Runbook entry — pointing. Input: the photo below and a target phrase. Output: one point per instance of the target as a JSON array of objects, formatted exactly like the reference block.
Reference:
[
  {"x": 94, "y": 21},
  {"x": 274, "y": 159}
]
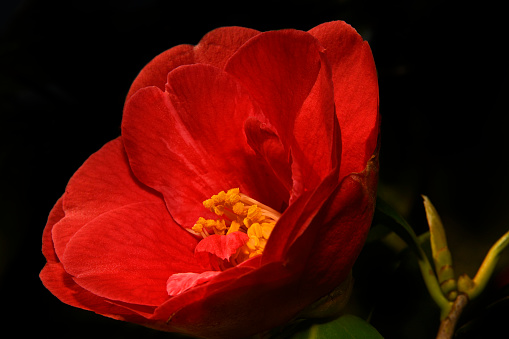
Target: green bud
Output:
[{"x": 440, "y": 251}]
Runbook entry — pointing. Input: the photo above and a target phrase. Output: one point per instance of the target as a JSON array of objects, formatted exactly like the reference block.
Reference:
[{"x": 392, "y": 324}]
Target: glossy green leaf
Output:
[
  {"x": 387, "y": 216},
  {"x": 345, "y": 327}
]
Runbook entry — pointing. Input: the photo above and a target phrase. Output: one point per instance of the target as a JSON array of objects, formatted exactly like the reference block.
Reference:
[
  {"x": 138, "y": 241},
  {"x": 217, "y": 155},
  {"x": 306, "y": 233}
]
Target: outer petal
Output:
[
  {"x": 355, "y": 92},
  {"x": 156, "y": 71},
  {"x": 104, "y": 182},
  {"x": 181, "y": 282},
  {"x": 48, "y": 249},
  {"x": 128, "y": 254},
  {"x": 300, "y": 215},
  {"x": 215, "y": 48},
  {"x": 237, "y": 303},
  {"x": 331, "y": 244},
  {"x": 61, "y": 284},
  {"x": 206, "y": 150},
  {"x": 287, "y": 74},
  {"x": 317, "y": 147},
  {"x": 279, "y": 69}
]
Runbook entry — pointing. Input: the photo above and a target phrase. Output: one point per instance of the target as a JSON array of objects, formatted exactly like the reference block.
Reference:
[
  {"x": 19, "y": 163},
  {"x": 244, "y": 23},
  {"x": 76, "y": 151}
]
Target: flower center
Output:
[{"x": 239, "y": 213}]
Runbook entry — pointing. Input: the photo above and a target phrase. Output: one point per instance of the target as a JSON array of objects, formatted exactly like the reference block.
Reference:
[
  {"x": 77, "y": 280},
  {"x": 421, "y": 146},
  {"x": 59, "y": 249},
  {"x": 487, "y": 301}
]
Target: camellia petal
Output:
[
  {"x": 215, "y": 48},
  {"x": 295, "y": 58},
  {"x": 104, "y": 182},
  {"x": 265, "y": 142},
  {"x": 222, "y": 246},
  {"x": 132, "y": 265},
  {"x": 355, "y": 90},
  {"x": 61, "y": 284},
  {"x": 184, "y": 170},
  {"x": 180, "y": 282},
  {"x": 237, "y": 303},
  {"x": 48, "y": 249},
  {"x": 155, "y": 72},
  {"x": 339, "y": 229}
]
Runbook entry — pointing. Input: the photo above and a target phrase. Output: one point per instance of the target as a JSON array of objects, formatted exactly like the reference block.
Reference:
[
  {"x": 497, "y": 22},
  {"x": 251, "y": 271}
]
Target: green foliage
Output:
[
  {"x": 387, "y": 216},
  {"x": 345, "y": 327}
]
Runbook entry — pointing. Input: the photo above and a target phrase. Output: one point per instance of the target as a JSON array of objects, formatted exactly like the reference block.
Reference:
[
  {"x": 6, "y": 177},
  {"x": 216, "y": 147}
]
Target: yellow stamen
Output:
[{"x": 239, "y": 213}]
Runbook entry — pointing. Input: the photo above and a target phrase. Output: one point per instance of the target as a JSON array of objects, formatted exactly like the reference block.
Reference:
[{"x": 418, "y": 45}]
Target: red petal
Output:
[
  {"x": 181, "y": 282},
  {"x": 215, "y": 48},
  {"x": 156, "y": 71},
  {"x": 188, "y": 143},
  {"x": 287, "y": 74},
  {"x": 279, "y": 69},
  {"x": 331, "y": 244},
  {"x": 61, "y": 284},
  {"x": 266, "y": 143},
  {"x": 128, "y": 254},
  {"x": 355, "y": 91},
  {"x": 222, "y": 246},
  {"x": 317, "y": 147},
  {"x": 104, "y": 182},
  {"x": 48, "y": 248},
  {"x": 295, "y": 221},
  {"x": 239, "y": 302}
]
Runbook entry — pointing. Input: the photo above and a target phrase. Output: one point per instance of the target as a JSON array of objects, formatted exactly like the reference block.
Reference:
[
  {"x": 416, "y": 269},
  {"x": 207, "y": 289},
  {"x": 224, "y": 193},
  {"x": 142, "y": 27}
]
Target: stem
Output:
[
  {"x": 433, "y": 287},
  {"x": 448, "y": 325}
]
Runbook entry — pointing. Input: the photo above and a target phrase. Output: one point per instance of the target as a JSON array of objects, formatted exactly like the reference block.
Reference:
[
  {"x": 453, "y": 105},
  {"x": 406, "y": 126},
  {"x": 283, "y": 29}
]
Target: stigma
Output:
[{"x": 238, "y": 212}]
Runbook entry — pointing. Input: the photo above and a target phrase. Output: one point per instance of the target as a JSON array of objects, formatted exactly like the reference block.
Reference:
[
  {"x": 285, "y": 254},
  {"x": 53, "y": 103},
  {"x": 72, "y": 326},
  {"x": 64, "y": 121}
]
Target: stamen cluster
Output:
[{"x": 239, "y": 213}]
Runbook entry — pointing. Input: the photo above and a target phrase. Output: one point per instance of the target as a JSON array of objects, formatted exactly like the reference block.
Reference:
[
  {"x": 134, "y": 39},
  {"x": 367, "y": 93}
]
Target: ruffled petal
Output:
[
  {"x": 48, "y": 248},
  {"x": 215, "y": 48},
  {"x": 104, "y": 182},
  {"x": 239, "y": 302},
  {"x": 331, "y": 243},
  {"x": 188, "y": 143},
  {"x": 60, "y": 283},
  {"x": 316, "y": 131},
  {"x": 294, "y": 222},
  {"x": 278, "y": 68},
  {"x": 265, "y": 142},
  {"x": 355, "y": 91},
  {"x": 156, "y": 71},
  {"x": 180, "y": 282},
  {"x": 128, "y": 254},
  {"x": 223, "y": 246},
  {"x": 287, "y": 74}
]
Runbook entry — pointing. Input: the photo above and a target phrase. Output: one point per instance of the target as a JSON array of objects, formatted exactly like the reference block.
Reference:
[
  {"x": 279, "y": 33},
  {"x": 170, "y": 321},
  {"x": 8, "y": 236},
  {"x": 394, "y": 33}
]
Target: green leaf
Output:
[
  {"x": 387, "y": 216},
  {"x": 345, "y": 327}
]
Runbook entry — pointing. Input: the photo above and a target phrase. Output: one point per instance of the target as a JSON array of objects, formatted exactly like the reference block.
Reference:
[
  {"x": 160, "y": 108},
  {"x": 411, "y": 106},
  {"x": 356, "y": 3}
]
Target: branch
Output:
[{"x": 448, "y": 325}]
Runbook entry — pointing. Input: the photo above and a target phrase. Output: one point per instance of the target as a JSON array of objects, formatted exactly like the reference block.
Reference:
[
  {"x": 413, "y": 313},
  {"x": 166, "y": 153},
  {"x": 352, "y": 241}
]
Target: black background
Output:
[{"x": 66, "y": 66}]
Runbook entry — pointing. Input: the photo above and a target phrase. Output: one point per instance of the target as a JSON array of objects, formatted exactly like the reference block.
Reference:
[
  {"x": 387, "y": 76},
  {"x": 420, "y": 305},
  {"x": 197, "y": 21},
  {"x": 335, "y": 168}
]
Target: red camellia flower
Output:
[{"x": 240, "y": 191}]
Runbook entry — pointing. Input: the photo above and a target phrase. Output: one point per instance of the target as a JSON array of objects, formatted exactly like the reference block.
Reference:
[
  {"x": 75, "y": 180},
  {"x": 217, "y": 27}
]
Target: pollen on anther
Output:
[
  {"x": 238, "y": 213},
  {"x": 238, "y": 208}
]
